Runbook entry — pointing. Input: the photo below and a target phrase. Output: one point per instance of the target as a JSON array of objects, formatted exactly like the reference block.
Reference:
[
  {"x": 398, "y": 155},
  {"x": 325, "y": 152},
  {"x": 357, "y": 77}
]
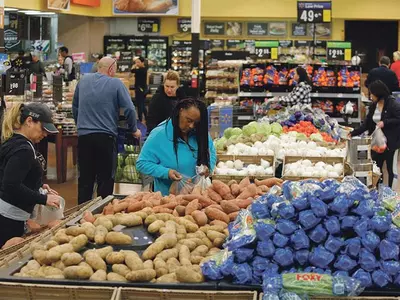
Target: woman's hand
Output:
[
  {"x": 53, "y": 200},
  {"x": 206, "y": 172},
  {"x": 380, "y": 124},
  {"x": 174, "y": 175},
  {"x": 49, "y": 190}
]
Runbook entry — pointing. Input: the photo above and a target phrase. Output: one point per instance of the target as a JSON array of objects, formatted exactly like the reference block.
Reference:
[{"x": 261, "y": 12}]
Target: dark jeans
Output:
[
  {"x": 391, "y": 163},
  {"x": 141, "y": 107},
  {"x": 9, "y": 229},
  {"x": 97, "y": 157}
]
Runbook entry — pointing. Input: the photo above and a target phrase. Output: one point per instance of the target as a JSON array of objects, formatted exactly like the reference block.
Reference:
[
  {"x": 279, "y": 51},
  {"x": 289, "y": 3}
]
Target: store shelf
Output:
[{"x": 313, "y": 95}]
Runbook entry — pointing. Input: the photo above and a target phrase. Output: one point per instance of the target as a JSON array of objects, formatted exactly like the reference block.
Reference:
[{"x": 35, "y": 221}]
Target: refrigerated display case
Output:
[
  {"x": 181, "y": 58},
  {"x": 137, "y": 46},
  {"x": 157, "y": 53}
]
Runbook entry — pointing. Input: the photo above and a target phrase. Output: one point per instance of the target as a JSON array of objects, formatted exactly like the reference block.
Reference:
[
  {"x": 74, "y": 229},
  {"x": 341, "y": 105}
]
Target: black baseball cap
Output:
[{"x": 40, "y": 112}]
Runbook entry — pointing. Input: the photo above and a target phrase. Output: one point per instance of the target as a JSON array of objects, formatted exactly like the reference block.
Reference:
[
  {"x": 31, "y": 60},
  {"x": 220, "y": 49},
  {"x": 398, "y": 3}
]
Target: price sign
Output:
[
  {"x": 185, "y": 25},
  {"x": 338, "y": 51},
  {"x": 149, "y": 25},
  {"x": 267, "y": 49},
  {"x": 15, "y": 83},
  {"x": 314, "y": 12}
]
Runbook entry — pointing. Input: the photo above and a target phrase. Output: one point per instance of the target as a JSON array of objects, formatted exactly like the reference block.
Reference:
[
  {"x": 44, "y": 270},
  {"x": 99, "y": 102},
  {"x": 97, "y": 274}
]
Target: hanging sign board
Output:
[
  {"x": 314, "y": 12},
  {"x": 214, "y": 28},
  {"x": 338, "y": 51},
  {"x": 257, "y": 29},
  {"x": 267, "y": 49},
  {"x": 148, "y": 25},
  {"x": 184, "y": 25}
]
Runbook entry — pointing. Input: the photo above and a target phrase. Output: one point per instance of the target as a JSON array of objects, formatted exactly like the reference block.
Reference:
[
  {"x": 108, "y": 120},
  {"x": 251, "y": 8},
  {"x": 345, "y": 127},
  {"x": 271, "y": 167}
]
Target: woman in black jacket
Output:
[
  {"x": 384, "y": 113},
  {"x": 21, "y": 167}
]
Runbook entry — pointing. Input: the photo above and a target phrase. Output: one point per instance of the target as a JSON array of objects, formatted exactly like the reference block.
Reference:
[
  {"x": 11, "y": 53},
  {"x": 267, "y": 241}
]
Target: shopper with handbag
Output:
[
  {"x": 384, "y": 113},
  {"x": 21, "y": 167}
]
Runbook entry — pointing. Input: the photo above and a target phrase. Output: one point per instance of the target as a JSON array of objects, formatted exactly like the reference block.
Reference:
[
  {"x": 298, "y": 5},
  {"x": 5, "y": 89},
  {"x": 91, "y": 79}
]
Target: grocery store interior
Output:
[{"x": 199, "y": 149}]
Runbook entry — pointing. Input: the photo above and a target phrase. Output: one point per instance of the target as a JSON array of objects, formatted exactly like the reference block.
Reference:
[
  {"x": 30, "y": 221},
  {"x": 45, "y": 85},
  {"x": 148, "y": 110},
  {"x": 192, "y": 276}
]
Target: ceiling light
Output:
[
  {"x": 40, "y": 13},
  {"x": 10, "y": 9},
  {"x": 29, "y": 11}
]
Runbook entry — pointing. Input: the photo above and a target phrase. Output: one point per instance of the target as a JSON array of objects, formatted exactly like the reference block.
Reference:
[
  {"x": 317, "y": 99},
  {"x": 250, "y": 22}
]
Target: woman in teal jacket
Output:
[{"x": 177, "y": 146}]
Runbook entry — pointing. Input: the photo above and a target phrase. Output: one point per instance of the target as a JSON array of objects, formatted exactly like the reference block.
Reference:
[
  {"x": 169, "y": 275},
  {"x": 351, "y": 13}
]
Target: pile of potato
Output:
[{"x": 191, "y": 229}]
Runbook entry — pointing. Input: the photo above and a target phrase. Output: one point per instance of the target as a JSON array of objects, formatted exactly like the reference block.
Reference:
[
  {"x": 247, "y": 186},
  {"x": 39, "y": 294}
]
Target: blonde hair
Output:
[
  {"x": 173, "y": 76},
  {"x": 396, "y": 55},
  {"x": 11, "y": 121}
]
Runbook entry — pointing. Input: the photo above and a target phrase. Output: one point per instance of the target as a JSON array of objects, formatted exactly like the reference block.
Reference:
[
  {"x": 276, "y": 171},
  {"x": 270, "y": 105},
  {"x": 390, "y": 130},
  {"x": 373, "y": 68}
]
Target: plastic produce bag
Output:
[
  {"x": 243, "y": 254},
  {"x": 320, "y": 257},
  {"x": 353, "y": 247},
  {"x": 259, "y": 264},
  {"x": 345, "y": 263},
  {"x": 397, "y": 280},
  {"x": 348, "y": 222},
  {"x": 364, "y": 277},
  {"x": 265, "y": 248},
  {"x": 341, "y": 205},
  {"x": 242, "y": 274},
  {"x": 341, "y": 273},
  {"x": 311, "y": 284},
  {"x": 242, "y": 231},
  {"x": 183, "y": 187},
  {"x": 367, "y": 260},
  {"x": 280, "y": 240},
  {"x": 365, "y": 208},
  {"x": 381, "y": 222},
  {"x": 300, "y": 240},
  {"x": 362, "y": 226},
  {"x": 318, "y": 234},
  {"x": 378, "y": 142},
  {"x": 393, "y": 235},
  {"x": 380, "y": 278},
  {"x": 387, "y": 197},
  {"x": 212, "y": 269},
  {"x": 391, "y": 267},
  {"x": 284, "y": 257},
  {"x": 332, "y": 225},
  {"x": 333, "y": 244},
  {"x": 286, "y": 227},
  {"x": 286, "y": 210},
  {"x": 388, "y": 250},
  {"x": 370, "y": 241},
  {"x": 43, "y": 214},
  {"x": 319, "y": 208},
  {"x": 259, "y": 209},
  {"x": 265, "y": 228},
  {"x": 301, "y": 203},
  {"x": 308, "y": 220},
  {"x": 301, "y": 256}
]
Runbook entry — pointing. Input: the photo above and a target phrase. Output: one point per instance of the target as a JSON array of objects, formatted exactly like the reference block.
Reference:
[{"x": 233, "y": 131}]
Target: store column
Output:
[
  {"x": 2, "y": 49},
  {"x": 196, "y": 17}
]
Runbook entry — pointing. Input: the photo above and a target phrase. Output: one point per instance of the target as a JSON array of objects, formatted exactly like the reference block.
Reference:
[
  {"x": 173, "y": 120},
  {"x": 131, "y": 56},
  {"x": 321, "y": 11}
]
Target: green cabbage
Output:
[
  {"x": 276, "y": 128},
  {"x": 220, "y": 143},
  {"x": 264, "y": 128},
  {"x": 228, "y": 132},
  {"x": 236, "y": 132},
  {"x": 301, "y": 137},
  {"x": 250, "y": 129},
  {"x": 316, "y": 137}
]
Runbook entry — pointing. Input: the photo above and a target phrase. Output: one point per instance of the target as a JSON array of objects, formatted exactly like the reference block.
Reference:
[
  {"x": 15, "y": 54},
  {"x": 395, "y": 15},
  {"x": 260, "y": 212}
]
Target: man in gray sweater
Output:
[{"x": 97, "y": 102}]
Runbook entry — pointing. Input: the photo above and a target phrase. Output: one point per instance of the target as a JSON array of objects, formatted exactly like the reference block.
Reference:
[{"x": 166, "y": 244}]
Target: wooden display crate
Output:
[
  {"x": 327, "y": 160},
  {"x": 22, "y": 291},
  {"x": 163, "y": 294},
  {"x": 246, "y": 159}
]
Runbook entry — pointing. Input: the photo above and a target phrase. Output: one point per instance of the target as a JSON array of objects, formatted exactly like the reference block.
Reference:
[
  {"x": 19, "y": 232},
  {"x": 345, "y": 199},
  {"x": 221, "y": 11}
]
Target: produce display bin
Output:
[
  {"x": 359, "y": 150},
  {"x": 363, "y": 172},
  {"x": 20, "y": 291},
  {"x": 158, "y": 294},
  {"x": 327, "y": 160},
  {"x": 246, "y": 159}
]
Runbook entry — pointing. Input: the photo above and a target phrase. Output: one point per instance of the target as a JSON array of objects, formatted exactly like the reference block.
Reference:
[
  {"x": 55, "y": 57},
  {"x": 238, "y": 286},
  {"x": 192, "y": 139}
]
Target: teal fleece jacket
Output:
[{"x": 157, "y": 156}]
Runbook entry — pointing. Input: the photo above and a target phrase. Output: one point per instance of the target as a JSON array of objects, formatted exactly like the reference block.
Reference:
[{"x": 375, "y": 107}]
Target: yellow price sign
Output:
[
  {"x": 274, "y": 53},
  {"x": 347, "y": 54},
  {"x": 327, "y": 15},
  {"x": 155, "y": 27}
]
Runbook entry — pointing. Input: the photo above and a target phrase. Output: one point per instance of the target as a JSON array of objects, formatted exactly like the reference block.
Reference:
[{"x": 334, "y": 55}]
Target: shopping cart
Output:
[{"x": 127, "y": 178}]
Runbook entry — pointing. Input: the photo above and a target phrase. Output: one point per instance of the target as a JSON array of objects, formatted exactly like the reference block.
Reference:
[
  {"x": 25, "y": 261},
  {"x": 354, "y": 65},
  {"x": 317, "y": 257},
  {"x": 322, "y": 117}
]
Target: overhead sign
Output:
[
  {"x": 257, "y": 29},
  {"x": 314, "y": 12},
  {"x": 214, "y": 28},
  {"x": 147, "y": 7},
  {"x": 338, "y": 51},
  {"x": 235, "y": 44},
  {"x": 267, "y": 49},
  {"x": 56, "y": 4},
  {"x": 299, "y": 29},
  {"x": 184, "y": 25},
  {"x": 92, "y": 3},
  {"x": 148, "y": 25}
]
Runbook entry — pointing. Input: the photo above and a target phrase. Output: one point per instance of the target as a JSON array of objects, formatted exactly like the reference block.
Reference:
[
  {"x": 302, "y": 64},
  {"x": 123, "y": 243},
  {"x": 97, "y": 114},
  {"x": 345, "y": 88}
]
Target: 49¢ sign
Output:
[{"x": 314, "y": 12}]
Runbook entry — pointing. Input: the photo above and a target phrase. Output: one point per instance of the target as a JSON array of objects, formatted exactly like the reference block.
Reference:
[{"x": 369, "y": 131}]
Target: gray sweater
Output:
[{"x": 97, "y": 102}]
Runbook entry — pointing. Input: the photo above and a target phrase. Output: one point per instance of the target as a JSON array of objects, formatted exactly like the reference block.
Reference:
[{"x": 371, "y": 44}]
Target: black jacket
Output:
[
  {"x": 384, "y": 74},
  {"x": 391, "y": 120},
  {"x": 20, "y": 174},
  {"x": 161, "y": 107}
]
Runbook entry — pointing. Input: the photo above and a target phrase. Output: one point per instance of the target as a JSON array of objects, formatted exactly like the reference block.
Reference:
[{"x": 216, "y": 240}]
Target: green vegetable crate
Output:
[
  {"x": 126, "y": 166},
  {"x": 247, "y": 160}
]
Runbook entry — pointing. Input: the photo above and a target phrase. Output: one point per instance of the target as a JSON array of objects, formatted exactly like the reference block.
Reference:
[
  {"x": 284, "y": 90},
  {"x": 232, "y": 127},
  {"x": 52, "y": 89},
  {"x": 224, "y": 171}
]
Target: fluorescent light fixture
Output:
[
  {"x": 10, "y": 9},
  {"x": 29, "y": 11},
  {"x": 42, "y": 13}
]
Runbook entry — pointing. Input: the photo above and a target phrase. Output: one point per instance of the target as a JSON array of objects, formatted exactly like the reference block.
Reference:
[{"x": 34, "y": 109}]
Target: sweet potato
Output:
[
  {"x": 232, "y": 216},
  {"x": 120, "y": 206},
  {"x": 249, "y": 191},
  {"x": 235, "y": 189},
  {"x": 200, "y": 217},
  {"x": 215, "y": 214},
  {"x": 159, "y": 209},
  {"x": 264, "y": 188},
  {"x": 108, "y": 209},
  {"x": 54, "y": 223},
  {"x": 170, "y": 205},
  {"x": 270, "y": 182},
  {"x": 243, "y": 203},
  {"x": 192, "y": 206},
  {"x": 213, "y": 195},
  {"x": 217, "y": 206},
  {"x": 222, "y": 189},
  {"x": 88, "y": 217},
  {"x": 219, "y": 223},
  {"x": 229, "y": 206},
  {"x": 196, "y": 190},
  {"x": 33, "y": 226},
  {"x": 13, "y": 241},
  {"x": 244, "y": 183},
  {"x": 133, "y": 207}
]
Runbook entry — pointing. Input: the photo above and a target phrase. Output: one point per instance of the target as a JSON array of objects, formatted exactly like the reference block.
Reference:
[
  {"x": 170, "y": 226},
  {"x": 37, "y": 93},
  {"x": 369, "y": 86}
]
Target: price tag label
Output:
[
  {"x": 338, "y": 51},
  {"x": 267, "y": 49},
  {"x": 314, "y": 12},
  {"x": 15, "y": 85}
]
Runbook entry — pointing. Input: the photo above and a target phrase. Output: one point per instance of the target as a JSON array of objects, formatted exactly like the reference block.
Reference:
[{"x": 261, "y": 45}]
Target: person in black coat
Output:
[
  {"x": 384, "y": 113},
  {"x": 164, "y": 100},
  {"x": 384, "y": 74}
]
